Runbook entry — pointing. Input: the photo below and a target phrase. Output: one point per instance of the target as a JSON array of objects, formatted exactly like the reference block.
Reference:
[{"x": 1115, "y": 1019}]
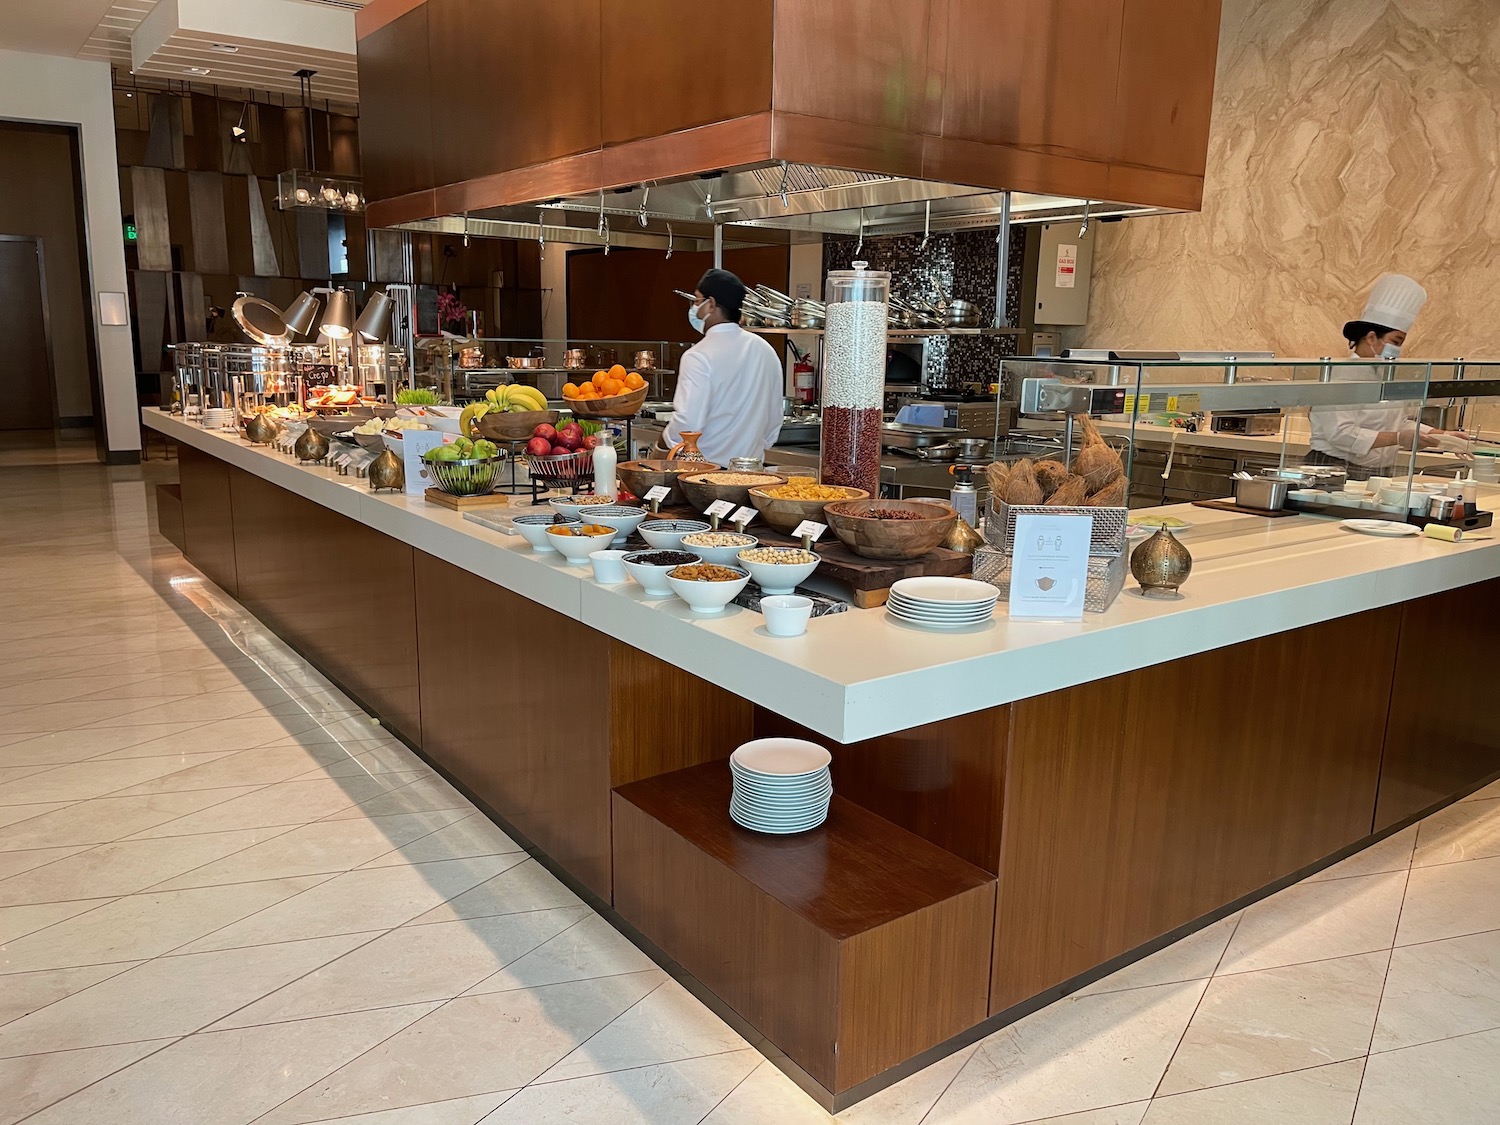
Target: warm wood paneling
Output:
[
  {"x": 851, "y": 947},
  {"x": 1137, "y": 804},
  {"x": 313, "y": 576},
  {"x": 208, "y": 517},
  {"x": 1162, "y": 102},
  {"x": 169, "y": 515},
  {"x": 944, "y": 781},
  {"x": 653, "y": 87},
  {"x": 395, "y": 106},
  {"x": 1440, "y": 741},
  {"x": 496, "y": 720}
]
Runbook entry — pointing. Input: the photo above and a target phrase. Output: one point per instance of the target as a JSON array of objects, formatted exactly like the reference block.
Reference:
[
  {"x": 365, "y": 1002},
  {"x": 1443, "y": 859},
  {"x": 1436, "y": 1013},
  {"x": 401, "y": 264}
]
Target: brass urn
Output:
[
  {"x": 1161, "y": 563},
  {"x": 261, "y": 429},
  {"x": 963, "y": 538},
  {"x": 387, "y": 471},
  {"x": 311, "y": 445}
]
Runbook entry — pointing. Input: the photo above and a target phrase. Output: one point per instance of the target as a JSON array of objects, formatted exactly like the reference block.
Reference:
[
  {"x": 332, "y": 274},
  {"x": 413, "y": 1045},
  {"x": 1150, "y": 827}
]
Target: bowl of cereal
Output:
[
  {"x": 702, "y": 489},
  {"x": 784, "y": 506},
  {"x": 718, "y": 547},
  {"x": 890, "y": 529},
  {"x": 778, "y": 570},
  {"x": 706, "y": 587}
]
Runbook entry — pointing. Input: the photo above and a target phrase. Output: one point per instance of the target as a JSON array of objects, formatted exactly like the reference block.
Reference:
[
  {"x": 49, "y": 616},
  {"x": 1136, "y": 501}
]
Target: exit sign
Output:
[{"x": 130, "y": 231}]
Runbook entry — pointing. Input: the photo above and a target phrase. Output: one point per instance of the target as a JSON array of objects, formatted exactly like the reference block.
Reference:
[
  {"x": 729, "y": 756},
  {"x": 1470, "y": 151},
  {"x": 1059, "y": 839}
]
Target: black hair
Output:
[
  {"x": 1357, "y": 330},
  {"x": 727, "y": 291}
]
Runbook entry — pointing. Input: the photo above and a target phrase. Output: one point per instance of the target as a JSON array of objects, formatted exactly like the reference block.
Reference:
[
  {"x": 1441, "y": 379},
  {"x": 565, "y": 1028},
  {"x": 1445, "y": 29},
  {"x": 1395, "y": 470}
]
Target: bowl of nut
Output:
[
  {"x": 718, "y": 547},
  {"x": 649, "y": 569},
  {"x": 778, "y": 570},
  {"x": 702, "y": 489},
  {"x": 706, "y": 587},
  {"x": 784, "y": 506},
  {"x": 890, "y": 529}
]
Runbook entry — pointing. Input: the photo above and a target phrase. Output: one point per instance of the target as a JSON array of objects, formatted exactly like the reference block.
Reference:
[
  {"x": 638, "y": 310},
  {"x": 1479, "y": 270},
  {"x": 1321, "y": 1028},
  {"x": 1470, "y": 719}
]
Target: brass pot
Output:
[
  {"x": 963, "y": 538},
  {"x": 1161, "y": 563},
  {"x": 387, "y": 471},
  {"x": 645, "y": 361},
  {"x": 312, "y": 445},
  {"x": 261, "y": 429}
]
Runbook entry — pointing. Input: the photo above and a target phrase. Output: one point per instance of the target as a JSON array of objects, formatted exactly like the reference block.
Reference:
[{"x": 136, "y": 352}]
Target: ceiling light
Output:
[
  {"x": 196, "y": 70},
  {"x": 338, "y": 317},
  {"x": 224, "y": 48}
]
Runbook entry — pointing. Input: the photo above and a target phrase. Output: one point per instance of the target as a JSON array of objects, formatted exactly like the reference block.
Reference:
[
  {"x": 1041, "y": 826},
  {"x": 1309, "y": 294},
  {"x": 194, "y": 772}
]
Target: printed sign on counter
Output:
[
  {"x": 743, "y": 516},
  {"x": 660, "y": 492},
  {"x": 1067, "y": 266},
  {"x": 414, "y": 443},
  {"x": 810, "y": 529},
  {"x": 1050, "y": 569},
  {"x": 720, "y": 508}
]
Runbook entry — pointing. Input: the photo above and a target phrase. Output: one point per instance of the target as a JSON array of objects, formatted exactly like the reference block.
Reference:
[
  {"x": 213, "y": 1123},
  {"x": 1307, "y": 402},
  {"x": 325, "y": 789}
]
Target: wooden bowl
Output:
[
  {"x": 627, "y": 405},
  {"x": 856, "y": 524},
  {"x": 499, "y": 426},
  {"x": 640, "y": 477},
  {"x": 784, "y": 515},
  {"x": 701, "y": 493}
]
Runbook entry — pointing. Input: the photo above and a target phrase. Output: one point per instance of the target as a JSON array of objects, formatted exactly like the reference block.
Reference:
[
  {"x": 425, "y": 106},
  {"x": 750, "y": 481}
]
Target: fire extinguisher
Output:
[{"x": 804, "y": 377}]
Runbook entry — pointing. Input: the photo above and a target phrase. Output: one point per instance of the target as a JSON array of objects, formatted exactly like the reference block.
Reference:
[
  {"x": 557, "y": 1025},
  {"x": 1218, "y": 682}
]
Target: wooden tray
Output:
[
  {"x": 868, "y": 581},
  {"x": 466, "y": 503}
]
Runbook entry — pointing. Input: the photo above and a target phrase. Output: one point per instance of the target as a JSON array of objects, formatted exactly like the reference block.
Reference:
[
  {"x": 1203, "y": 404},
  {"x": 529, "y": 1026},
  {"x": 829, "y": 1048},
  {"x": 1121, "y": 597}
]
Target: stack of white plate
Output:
[
  {"x": 781, "y": 785},
  {"x": 218, "y": 419},
  {"x": 942, "y": 603}
]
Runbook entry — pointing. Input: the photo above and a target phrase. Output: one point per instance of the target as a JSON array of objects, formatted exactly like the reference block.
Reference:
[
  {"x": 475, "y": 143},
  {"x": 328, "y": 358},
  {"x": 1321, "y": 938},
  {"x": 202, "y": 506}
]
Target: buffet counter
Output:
[{"x": 1016, "y": 811}]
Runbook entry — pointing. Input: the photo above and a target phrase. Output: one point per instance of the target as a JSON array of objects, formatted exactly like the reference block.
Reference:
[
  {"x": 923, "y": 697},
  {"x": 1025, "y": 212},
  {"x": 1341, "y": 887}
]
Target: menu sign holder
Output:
[
  {"x": 414, "y": 443},
  {"x": 1050, "y": 567}
]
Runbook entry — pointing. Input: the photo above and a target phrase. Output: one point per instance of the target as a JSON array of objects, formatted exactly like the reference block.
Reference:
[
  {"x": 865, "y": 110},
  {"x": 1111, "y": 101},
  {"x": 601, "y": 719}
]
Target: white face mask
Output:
[
  {"x": 1391, "y": 351},
  {"x": 695, "y": 320}
]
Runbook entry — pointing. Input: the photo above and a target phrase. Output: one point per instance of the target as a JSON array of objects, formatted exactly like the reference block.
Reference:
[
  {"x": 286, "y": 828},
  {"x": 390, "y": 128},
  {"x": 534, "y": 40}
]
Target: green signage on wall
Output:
[{"x": 130, "y": 232}]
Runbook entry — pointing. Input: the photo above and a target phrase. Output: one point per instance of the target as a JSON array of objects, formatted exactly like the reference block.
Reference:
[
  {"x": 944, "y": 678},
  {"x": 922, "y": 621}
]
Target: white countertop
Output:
[{"x": 858, "y": 674}]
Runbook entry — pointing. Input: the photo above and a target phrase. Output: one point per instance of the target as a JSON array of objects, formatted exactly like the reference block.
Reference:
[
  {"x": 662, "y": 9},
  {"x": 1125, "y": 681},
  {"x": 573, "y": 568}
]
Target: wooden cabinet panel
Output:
[
  {"x": 207, "y": 516},
  {"x": 1440, "y": 741},
  {"x": 1164, "y": 96},
  {"x": 1137, "y": 804},
  {"x": 395, "y": 107},
  {"x": 655, "y": 77}
]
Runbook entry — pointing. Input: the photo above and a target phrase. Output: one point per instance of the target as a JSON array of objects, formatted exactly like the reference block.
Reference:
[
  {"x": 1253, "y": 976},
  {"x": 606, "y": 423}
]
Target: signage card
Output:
[
  {"x": 414, "y": 443},
  {"x": 810, "y": 528},
  {"x": 1049, "y": 570}
]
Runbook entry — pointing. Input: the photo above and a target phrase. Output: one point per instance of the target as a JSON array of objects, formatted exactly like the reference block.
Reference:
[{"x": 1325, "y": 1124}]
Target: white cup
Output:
[
  {"x": 1391, "y": 494},
  {"x": 1375, "y": 484},
  {"x": 609, "y": 567},
  {"x": 786, "y": 615}
]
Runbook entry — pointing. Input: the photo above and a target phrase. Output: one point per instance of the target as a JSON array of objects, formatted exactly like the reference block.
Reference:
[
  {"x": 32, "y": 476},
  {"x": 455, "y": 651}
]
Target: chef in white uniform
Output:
[
  {"x": 730, "y": 383},
  {"x": 1372, "y": 440}
]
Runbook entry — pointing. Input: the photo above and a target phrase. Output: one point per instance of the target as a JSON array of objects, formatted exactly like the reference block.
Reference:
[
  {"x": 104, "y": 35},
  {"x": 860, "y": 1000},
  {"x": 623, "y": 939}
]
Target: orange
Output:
[
  {"x": 613, "y": 387},
  {"x": 570, "y": 390},
  {"x": 599, "y": 379},
  {"x": 634, "y": 381},
  {"x": 617, "y": 372}
]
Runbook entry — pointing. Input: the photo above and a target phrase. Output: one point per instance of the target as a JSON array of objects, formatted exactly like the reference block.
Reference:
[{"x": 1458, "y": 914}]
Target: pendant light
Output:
[
  {"x": 299, "y": 317},
  {"x": 338, "y": 317},
  {"x": 374, "y": 325}
]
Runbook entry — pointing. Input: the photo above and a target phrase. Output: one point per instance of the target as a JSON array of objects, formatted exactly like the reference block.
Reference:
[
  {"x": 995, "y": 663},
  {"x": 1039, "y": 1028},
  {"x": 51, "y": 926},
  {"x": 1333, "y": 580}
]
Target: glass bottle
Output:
[{"x": 854, "y": 350}]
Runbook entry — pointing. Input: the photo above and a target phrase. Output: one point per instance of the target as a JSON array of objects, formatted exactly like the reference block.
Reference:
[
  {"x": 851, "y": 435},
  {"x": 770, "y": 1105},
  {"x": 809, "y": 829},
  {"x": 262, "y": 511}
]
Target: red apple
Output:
[
  {"x": 539, "y": 447},
  {"x": 545, "y": 432},
  {"x": 570, "y": 440},
  {"x": 590, "y": 441},
  {"x": 572, "y": 428}
]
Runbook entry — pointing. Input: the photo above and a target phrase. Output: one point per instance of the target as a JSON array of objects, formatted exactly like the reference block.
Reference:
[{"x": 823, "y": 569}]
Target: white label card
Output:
[
  {"x": 743, "y": 517},
  {"x": 1049, "y": 572},
  {"x": 414, "y": 443},
  {"x": 810, "y": 527},
  {"x": 1067, "y": 266},
  {"x": 660, "y": 492},
  {"x": 720, "y": 508}
]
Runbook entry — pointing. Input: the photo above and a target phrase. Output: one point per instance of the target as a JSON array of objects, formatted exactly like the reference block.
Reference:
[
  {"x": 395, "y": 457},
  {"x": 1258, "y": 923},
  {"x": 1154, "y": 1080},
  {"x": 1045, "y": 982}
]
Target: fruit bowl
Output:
[
  {"x": 779, "y": 577},
  {"x": 701, "y": 492},
  {"x": 577, "y": 548},
  {"x": 784, "y": 515},
  {"x": 859, "y": 527},
  {"x": 533, "y": 529},
  {"x": 562, "y": 468},
  {"x": 640, "y": 477},
  {"x": 475, "y": 476},
  {"x": 627, "y": 405},
  {"x": 500, "y": 426},
  {"x": 622, "y": 518},
  {"x": 708, "y": 597},
  {"x": 666, "y": 535}
]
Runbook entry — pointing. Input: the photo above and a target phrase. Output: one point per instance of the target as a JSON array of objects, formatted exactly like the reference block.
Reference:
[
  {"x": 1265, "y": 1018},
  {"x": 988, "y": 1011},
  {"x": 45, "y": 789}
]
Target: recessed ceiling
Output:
[{"x": 276, "y": 38}]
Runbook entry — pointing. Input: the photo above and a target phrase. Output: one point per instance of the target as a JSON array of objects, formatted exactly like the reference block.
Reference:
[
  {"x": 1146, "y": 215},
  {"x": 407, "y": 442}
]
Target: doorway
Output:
[{"x": 28, "y": 385}]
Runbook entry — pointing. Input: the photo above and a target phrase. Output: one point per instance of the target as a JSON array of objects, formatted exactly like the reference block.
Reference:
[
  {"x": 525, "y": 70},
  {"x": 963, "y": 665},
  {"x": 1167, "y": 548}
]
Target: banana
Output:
[
  {"x": 472, "y": 413},
  {"x": 521, "y": 399}
]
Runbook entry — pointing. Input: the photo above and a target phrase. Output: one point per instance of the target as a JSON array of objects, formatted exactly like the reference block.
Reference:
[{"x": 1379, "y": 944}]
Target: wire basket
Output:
[
  {"x": 565, "y": 469},
  {"x": 472, "y": 477},
  {"x": 1108, "y": 537},
  {"x": 1106, "y": 576}
]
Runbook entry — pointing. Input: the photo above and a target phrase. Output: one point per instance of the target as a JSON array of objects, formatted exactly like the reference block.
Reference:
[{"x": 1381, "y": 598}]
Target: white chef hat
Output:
[{"x": 1395, "y": 300}]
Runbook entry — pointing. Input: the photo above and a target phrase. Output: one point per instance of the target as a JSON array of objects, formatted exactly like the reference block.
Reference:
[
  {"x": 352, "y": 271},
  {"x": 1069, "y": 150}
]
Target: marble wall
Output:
[{"x": 1350, "y": 137}]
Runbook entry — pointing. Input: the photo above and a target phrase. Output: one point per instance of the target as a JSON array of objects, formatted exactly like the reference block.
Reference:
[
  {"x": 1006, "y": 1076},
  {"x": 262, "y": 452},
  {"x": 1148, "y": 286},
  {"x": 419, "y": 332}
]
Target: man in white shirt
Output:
[{"x": 730, "y": 384}]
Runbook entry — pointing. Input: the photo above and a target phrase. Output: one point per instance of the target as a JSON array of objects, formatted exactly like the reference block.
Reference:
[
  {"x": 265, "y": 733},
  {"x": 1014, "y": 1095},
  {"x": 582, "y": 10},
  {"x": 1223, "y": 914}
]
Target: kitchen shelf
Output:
[{"x": 895, "y": 333}]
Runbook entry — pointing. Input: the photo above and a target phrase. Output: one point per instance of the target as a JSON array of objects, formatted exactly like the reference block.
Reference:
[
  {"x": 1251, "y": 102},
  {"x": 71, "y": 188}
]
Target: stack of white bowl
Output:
[
  {"x": 942, "y": 603},
  {"x": 781, "y": 785}
]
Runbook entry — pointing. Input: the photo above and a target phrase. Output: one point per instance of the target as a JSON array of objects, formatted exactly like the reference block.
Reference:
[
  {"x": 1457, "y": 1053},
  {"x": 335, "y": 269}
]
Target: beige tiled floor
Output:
[{"x": 227, "y": 897}]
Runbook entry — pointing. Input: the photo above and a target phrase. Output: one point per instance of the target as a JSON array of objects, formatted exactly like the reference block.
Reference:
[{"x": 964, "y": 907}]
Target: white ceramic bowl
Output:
[
  {"x": 577, "y": 548},
  {"x": 652, "y": 579},
  {"x": 721, "y": 556},
  {"x": 708, "y": 597},
  {"x": 438, "y": 419},
  {"x": 393, "y": 443},
  {"x": 666, "y": 535},
  {"x": 533, "y": 529},
  {"x": 570, "y": 506},
  {"x": 786, "y": 615},
  {"x": 609, "y": 567},
  {"x": 776, "y": 578},
  {"x": 620, "y": 517}
]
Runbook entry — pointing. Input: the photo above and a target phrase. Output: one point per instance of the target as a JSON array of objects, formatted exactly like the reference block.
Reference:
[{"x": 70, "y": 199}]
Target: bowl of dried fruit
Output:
[
  {"x": 706, "y": 587},
  {"x": 890, "y": 529},
  {"x": 784, "y": 506},
  {"x": 577, "y": 541},
  {"x": 703, "y": 489},
  {"x": 649, "y": 569}
]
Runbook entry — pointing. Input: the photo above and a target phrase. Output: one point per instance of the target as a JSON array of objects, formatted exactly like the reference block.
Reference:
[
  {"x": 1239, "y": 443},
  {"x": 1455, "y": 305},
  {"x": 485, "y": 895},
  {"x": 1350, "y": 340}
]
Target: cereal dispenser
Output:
[{"x": 854, "y": 346}]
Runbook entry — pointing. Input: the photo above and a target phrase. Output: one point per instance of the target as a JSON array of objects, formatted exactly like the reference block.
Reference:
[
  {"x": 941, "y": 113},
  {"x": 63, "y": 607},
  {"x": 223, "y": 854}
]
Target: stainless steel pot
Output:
[
  {"x": 1264, "y": 493},
  {"x": 972, "y": 449},
  {"x": 948, "y": 451},
  {"x": 961, "y": 314}
]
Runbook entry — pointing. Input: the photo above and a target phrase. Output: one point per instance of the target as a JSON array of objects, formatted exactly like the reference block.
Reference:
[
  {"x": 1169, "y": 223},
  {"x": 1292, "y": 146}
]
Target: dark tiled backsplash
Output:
[{"x": 962, "y": 264}]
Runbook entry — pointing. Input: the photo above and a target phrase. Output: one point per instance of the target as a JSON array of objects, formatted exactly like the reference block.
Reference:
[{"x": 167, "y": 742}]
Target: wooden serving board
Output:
[
  {"x": 466, "y": 503},
  {"x": 868, "y": 581}
]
